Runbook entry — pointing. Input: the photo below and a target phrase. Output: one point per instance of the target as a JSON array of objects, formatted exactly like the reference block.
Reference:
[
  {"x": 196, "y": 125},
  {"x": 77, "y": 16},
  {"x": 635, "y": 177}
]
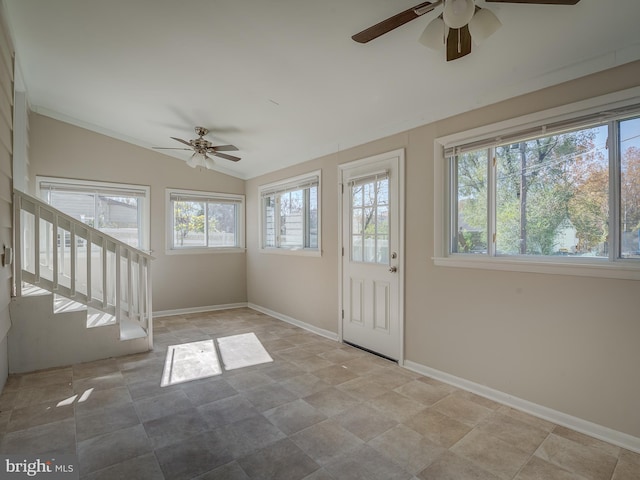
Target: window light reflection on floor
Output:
[
  {"x": 198, "y": 360},
  {"x": 190, "y": 361},
  {"x": 240, "y": 351}
]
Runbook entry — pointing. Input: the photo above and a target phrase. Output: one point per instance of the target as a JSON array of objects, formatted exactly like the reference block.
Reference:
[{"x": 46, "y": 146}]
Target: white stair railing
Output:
[{"x": 61, "y": 254}]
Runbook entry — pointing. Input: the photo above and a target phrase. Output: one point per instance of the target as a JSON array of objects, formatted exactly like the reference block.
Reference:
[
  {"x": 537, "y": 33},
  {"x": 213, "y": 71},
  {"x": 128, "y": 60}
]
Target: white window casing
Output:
[
  {"x": 607, "y": 111},
  {"x": 276, "y": 209},
  {"x": 204, "y": 243}
]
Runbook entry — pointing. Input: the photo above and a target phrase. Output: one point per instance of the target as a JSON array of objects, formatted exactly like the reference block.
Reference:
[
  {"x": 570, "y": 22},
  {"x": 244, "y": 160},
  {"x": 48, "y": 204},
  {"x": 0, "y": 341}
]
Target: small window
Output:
[
  {"x": 204, "y": 221},
  {"x": 117, "y": 209},
  {"x": 290, "y": 214}
]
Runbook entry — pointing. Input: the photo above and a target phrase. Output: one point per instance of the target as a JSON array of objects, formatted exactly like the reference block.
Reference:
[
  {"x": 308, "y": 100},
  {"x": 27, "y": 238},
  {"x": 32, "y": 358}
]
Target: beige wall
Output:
[
  {"x": 571, "y": 344},
  {"x": 179, "y": 281},
  {"x": 6, "y": 175}
]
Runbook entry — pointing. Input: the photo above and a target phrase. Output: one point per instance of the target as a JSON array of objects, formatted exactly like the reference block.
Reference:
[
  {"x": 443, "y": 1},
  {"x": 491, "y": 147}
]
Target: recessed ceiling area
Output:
[{"x": 282, "y": 79}]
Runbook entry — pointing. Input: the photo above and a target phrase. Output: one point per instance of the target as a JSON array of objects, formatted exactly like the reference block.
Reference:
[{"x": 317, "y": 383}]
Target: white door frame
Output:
[{"x": 399, "y": 153}]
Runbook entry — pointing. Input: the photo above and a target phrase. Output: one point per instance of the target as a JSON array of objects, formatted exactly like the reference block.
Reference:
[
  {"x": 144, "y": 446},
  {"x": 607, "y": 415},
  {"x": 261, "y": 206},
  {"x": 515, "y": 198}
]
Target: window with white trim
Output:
[
  {"x": 117, "y": 209},
  {"x": 563, "y": 192},
  {"x": 204, "y": 221},
  {"x": 290, "y": 214}
]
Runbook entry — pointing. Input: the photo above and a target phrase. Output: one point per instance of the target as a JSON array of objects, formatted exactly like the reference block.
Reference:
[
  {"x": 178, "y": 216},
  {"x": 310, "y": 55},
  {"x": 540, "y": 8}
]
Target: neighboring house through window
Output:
[
  {"x": 290, "y": 215},
  {"x": 564, "y": 191},
  {"x": 119, "y": 210}
]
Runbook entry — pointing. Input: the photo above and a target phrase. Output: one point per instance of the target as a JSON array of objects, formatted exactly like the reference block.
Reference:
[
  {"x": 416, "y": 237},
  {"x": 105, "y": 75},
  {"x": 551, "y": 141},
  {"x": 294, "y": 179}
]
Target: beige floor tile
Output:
[
  {"x": 396, "y": 406},
  {"x": 294, "y": 416},
  {"x": 320, "y": 411},
  {"x": 331, "y": 401},
  {"x": 492, "y": 454},
  {"x": 41, "y": 414},
  {"x": 527, "y": 418},
  {"x": 364, "y": 462},
  {"x": 587, "y": 440},
  {"x": 362, "y": 388},
  {"x": 628, "y": 467},
  {"x": 450, "y": 466},
  {"x": 538, "y": 469},
  {"x": 590, "y": 462},
  {"x": 365, "y": 422},
  {"x": 519, "y": 434},
  {"x": 423, "y": 392},
  {"x": 462, "y": 409},
  {"x": 407, "y": 448},
  {"x": 325, "y": 441},
  {"x": 437, "y": 427}
]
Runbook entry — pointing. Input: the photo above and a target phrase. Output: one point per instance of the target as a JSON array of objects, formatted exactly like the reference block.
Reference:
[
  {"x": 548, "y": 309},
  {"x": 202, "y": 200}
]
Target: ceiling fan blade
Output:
[
  {"x": 227, "y": 157},
  {"x": 537, "y": 2},
  {"x": 394, "y": 22},
  {"x": 224, "y": 148},
  {"x": 181, "y": 141},
  {"x": 458, "y": 43},
  {"x": 171, "y": 148}
]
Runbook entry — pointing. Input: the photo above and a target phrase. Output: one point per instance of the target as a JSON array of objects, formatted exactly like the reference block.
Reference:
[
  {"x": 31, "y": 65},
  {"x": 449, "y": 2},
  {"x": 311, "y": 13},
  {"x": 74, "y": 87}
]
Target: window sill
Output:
[
  {"x": 289, "y": 251},
  {"x": 585, "y": 268},
  {"x": 199, "y": 251}
]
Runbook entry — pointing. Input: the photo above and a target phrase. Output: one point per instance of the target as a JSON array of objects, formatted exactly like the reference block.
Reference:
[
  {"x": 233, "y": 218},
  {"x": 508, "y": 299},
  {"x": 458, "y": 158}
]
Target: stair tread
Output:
[
  {"x": 96, "y": 318},
  {"x": 130, "y": 330}
]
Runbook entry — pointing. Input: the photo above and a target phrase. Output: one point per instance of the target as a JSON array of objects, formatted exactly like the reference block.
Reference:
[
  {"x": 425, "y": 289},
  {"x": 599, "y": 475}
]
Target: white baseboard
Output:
[
  {"x": 209, "y": 308},
  {"x": 298, "y": 323},
  {"x": 583, "y": 426}
]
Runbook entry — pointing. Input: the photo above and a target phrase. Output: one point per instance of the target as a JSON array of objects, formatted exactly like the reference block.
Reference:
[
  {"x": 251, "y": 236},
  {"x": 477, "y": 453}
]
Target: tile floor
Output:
[{"x": 320, "y": 410}]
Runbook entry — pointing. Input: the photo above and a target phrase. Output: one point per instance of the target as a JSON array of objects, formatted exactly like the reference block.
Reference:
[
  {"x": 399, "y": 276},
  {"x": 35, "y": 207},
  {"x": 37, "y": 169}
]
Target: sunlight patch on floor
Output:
[
  {"x": 197, "y": 360},
  {"x": 190, "y": 361},
  {"x": 238, "y": 351}
]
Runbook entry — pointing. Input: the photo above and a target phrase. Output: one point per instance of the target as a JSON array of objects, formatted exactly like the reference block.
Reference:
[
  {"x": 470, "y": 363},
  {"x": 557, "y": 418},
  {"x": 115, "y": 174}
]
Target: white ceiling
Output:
[{"x": 282, "y": 79}]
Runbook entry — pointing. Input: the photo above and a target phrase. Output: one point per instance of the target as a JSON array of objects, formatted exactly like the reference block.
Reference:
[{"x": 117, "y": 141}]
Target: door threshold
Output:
[{"x": 371, "y": 352}]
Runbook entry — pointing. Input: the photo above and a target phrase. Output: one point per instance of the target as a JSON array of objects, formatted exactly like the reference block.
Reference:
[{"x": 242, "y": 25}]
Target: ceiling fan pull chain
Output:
[{"x": 459, "y": 41}]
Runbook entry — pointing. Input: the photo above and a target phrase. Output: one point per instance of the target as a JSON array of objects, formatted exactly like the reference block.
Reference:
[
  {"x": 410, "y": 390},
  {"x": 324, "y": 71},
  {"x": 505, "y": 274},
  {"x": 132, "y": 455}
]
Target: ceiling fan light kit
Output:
[
  {"x": 434, "y": 35},
  {"x": 483, "y": 24},
  {"x": 458, "y": 13},
  {"x": 201, "y": 148},
  {"x": 459, "y": 23}
]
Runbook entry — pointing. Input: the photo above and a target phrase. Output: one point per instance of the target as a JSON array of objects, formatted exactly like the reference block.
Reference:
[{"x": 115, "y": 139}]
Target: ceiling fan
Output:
[
  {"x": 201, "y": 148},
  {"x": 454, "y": 28}
]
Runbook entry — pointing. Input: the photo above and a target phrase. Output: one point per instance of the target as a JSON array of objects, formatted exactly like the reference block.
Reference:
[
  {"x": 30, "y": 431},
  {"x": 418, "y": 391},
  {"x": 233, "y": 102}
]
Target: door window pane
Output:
[{"x": 370, "y": 221}]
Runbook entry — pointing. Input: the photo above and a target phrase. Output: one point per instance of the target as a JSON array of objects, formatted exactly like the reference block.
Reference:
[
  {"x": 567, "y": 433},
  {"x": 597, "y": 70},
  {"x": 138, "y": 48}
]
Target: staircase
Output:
[{"x": 80, "y": 295}]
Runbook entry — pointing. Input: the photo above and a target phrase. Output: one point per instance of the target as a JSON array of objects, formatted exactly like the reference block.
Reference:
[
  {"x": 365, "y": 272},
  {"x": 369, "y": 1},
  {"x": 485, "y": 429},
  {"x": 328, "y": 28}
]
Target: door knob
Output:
[{"x": 393, "y": 269}]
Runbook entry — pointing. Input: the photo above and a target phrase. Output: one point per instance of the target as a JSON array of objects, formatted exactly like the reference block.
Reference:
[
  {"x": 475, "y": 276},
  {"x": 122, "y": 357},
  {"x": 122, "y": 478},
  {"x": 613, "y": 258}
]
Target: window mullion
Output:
[
  {"x": 615, "y": 203},
  {"x": 206, "y": 224},
  {"x": 453, "y": 204},
  {"x": 492, "y": 175},
  {"x": 306, "y": 211},
  {"x": 277, "y": 219}
]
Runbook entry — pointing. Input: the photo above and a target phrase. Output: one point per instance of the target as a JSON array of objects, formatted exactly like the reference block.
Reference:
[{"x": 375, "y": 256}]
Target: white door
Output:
[{"x": 371, "y": 236}]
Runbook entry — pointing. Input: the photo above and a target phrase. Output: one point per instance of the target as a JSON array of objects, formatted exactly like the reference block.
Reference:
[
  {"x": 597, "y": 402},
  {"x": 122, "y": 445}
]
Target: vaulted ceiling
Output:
[{"x": 282, "y": 79}]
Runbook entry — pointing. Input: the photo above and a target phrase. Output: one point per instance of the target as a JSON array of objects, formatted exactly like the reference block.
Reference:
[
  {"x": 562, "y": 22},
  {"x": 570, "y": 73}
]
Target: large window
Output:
[
  {"x": 204, "y": 221},
  {"x": 116, "y": 209},
  {"x": 565, "y": 192},
  {"x": 290, "y": 214}
]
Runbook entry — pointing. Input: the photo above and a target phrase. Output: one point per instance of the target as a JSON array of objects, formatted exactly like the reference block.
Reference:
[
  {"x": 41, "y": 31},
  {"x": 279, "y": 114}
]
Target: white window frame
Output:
[
  {"x": 282, "y": 185},
  {"x": 144, "y": 192},
  {"x": 592, "y": 267},
  {"x": 211, "y": 197}
]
